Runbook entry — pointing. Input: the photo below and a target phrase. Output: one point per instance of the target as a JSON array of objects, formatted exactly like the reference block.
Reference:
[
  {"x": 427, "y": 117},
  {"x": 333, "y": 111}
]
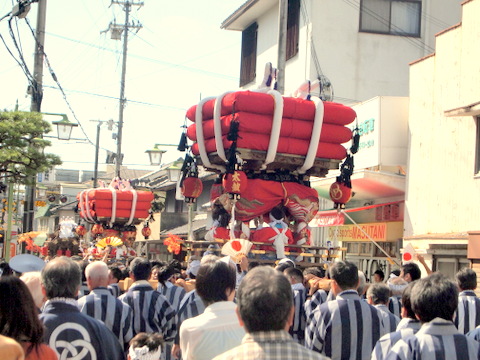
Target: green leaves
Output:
[{"x": 22, "y": 146}]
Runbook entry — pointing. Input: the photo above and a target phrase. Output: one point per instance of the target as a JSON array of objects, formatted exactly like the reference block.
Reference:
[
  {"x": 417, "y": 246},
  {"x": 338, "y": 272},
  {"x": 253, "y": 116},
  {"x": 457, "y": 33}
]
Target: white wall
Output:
[{"x": 442, "y": 192}]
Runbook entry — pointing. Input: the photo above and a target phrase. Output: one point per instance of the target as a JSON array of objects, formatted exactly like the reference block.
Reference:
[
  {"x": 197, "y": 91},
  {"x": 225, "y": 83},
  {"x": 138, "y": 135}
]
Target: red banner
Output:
[{"x": 332, "y": 219}]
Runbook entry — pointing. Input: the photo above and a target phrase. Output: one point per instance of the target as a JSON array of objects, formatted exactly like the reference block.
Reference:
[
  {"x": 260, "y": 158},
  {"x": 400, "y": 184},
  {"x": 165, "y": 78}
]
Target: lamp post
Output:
[
  {"x": 155, "y": 154},
  {"x": 64, "y": 127}
]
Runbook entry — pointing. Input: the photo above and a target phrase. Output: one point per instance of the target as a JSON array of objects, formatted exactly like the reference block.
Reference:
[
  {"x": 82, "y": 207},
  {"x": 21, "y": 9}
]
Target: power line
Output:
[{"x": 156, "y": 61}]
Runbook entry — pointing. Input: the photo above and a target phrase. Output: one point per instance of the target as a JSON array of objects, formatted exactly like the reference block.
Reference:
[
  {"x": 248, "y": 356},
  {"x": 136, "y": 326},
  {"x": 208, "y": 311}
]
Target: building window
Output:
[
  {"x": 394, "y": 17},
  {"x": 249, "y": 55},
  {"x": 477, "y": 150},
  {"x": 293, "y": 28}
]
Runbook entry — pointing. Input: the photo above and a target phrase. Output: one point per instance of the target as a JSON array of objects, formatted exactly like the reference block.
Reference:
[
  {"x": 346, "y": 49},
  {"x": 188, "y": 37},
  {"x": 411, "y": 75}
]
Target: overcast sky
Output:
[{"x": 179, "y": 56}]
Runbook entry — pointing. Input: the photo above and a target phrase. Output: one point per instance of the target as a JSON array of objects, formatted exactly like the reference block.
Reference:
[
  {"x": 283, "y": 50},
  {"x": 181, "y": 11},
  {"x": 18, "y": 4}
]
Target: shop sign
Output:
[{"x": 376, "y": 231}]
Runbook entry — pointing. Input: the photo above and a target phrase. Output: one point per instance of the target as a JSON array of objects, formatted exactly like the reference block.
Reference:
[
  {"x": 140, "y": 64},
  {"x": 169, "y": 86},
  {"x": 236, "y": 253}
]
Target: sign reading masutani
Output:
[{"x": 364, "y": 232}]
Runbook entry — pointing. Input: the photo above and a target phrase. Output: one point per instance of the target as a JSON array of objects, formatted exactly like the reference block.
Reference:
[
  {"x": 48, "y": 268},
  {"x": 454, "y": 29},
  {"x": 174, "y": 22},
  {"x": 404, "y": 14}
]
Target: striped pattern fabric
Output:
[
  {"x": 297, "y": 330},
  {"x": 386, "y": 342},
  {"x": 436, "y": 340},
  {"x": 151, "y": 311},
  {"x": 318, "y": 298},
  {"x": 191, "y": 306},
  {"x": 115, "y": 289},
  {"x": 271, "y": 345},
  {"x": 345, "y": 328},
  {"x": 467, "y": 316},
  {"x": 390, "y": 321},
  {"x": 174, "y": 294},
  {"x": 395, "y": 306},
  {"x": 117, "y": 316}
]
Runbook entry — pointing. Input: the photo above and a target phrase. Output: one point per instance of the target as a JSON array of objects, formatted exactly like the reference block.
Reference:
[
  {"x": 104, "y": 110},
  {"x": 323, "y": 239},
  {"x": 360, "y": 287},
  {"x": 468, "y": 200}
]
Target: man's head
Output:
[
  {"x": 407, "y": 311},
  {"x": 140, "y": 269},
  {"x": 434, "y": 296},
  {"x": 294, "y": 275},
  {"x": 362, "y": 283},
  {"x": 466, "y": 279},
  {"x": 378, "y": 276},
  {"x": 216, "y": 282},
  {"x": 344, "y": 275},
  {"x": 265, "y": 300},
  {"x": 410, "y": 272},
  {"x": 61, "y": 277},
  {"x": 115, "y": 274},
  {"x": 97, "y": 275},
  {"x": 378, "y": 294}
]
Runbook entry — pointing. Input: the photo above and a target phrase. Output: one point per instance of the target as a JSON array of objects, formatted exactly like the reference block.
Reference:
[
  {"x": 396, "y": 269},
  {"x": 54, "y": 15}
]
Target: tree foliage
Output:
[{"x": 22, "y": 146}]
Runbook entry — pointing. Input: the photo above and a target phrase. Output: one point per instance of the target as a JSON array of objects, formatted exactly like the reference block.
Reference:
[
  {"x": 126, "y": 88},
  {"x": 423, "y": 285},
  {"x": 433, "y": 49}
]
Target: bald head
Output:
[{"x": 97, "y": 275}]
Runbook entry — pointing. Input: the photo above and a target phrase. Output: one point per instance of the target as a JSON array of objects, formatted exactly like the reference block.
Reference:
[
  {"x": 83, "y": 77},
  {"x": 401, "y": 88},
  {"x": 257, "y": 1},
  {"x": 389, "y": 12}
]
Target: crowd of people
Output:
[{"x": 215, "y": 308}]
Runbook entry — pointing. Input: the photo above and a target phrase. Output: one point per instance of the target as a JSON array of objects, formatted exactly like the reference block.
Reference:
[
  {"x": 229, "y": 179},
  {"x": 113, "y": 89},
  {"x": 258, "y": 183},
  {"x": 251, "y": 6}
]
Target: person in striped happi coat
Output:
[
  {"x": 409, "y": 325},
  {"x": 151, "y": 310},
  {"x": 467, "y": 316},
  {"x": 297, "y": 329},
  {"x": 115, "y": 275},
  {"x": 102, "y": 305},
  {"x": 396, "y": 285},
  {"x": 434, "y": 301},
  {"x": 347, "y": 327},
  {"x": 312, "y": 277},
  {"x": 378, "y": 296},
  {"x": 174, "y": 294}
]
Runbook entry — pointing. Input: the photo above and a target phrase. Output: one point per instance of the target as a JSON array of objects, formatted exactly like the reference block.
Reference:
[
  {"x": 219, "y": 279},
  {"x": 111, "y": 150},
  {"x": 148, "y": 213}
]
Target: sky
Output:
[{"x": 179, "y": 56}]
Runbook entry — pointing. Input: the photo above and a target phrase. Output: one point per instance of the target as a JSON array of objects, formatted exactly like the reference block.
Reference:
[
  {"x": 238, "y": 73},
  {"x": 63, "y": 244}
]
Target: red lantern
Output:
[
  {"x": 68, "y": 253},
  {"x": 235, "y": 183},
  {"x": 192, "y": 187},
  {"x": 146, "y": 232},
  {"x": 340, "y": 194},
  {"x": 97, "y": 229},
  {"x": 80, "y": 230},
  {"x": 59, "y": 252}
]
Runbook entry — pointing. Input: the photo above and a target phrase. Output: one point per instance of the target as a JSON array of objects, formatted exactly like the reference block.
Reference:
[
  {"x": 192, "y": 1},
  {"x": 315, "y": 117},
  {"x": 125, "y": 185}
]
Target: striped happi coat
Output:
[
  {"x": 437, "y": 340},
  {"x": 117, "y": 316},
  {"x": 467, "y": 316},
  {"x": 151, "y": 311},
  {"x": 346, "y": 328}
]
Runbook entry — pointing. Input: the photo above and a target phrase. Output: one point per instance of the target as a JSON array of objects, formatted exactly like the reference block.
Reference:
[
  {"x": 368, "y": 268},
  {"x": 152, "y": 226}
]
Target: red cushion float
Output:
[
  {"x": 262, "y": 124},
  {"x": 261, "y": 103}
]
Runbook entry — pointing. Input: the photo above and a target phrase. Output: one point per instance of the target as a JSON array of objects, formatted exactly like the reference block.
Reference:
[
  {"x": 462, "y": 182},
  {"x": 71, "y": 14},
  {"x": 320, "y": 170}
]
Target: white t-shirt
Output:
[{"x": 212, "y": 333}]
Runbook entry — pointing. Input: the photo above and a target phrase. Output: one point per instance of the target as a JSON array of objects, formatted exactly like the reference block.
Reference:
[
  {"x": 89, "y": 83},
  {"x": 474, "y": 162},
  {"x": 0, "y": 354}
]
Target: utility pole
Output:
[
  {"x": 282, "y": 44},
  {"x": 36, "y": 91},
  {"x": 115, "y": 31}
]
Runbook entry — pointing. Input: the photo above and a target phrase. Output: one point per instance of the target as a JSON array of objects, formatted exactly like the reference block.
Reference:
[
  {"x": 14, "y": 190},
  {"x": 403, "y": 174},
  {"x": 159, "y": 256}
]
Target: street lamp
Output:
[
  {"x": 155, "y": 155},
  {"x": 64, "y": 127},
  {"x": 173, "y": 172}
]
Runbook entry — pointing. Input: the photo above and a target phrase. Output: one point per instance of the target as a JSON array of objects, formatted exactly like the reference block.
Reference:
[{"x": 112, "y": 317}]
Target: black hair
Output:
[
  {"x": 413, "y": 270},
  {"x": 380, "y": 273},
  {"x": 407, "y": 301},
  {"x": 18, "y": 313},
  {"x": 264, "y": 299},
  {"x": 140, "y": 268},
  {"x": 345, "y": 273},
  {"x": 434, "y": 296},
  {"x": 315, "y": 271},
  {"x": 213, "y": 280},
  {"x": 466, "y": 279}
]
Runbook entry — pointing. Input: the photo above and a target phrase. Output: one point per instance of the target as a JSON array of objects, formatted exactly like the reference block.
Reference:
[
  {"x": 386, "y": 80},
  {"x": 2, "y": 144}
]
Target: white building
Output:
[
  {"x": 362, "y": 46},
  {"x": 443, "y": 181}
]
